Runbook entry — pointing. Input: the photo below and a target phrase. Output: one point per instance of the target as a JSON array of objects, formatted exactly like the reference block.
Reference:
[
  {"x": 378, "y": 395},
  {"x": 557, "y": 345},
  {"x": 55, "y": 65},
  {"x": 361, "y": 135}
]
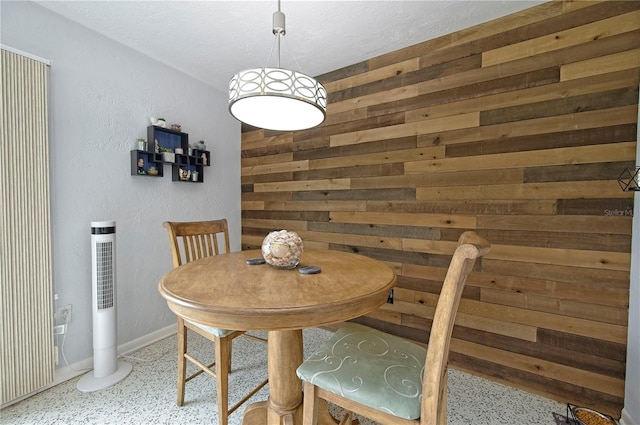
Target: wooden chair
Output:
[
  {"x": 191, "y": 241},
  {"x": 378, "y": 375}
]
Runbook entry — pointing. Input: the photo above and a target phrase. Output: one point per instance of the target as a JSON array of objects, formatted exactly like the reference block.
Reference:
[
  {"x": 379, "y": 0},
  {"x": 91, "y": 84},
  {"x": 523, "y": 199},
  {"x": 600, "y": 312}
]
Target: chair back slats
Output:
[
  {"x": 471, "y": 246},
  {"x": 191, "y": 241}
]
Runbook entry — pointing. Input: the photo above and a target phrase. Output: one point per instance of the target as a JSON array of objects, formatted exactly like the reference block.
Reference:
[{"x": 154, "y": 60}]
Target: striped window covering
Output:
[{"x": 27, "y": 360}]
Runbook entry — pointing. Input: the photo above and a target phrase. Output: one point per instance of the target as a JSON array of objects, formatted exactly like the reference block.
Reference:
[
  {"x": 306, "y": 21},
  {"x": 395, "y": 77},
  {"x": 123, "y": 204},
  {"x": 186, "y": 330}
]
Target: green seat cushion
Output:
[
  {"x": 219, "y": 332},
  {"x": 370, "y": 367}
]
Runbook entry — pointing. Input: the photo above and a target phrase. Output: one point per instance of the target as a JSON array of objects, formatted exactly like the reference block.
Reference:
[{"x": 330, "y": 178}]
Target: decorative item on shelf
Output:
[
  {"x": 141, "y": 165},
  {"x": 184, "y": 175},
  {"x": 179, "y": 151},
  {"x": 201, "y": 146},
  {"x": 158, "y": 122},
  {"x": 167, "y": 154},
  {"x": 282, "y": 249},
  {"x": 152, "y": 171},
  {"x": 194, "y": 176},
  {"x": 176, "y": 127},
  {"x": 277, "y": 98},
  {"x": 142, "y": 144},
  {"x": 190, "y": 150},
  {"x": 629, "y": 179},
  {"x": 204, "y": 158}
]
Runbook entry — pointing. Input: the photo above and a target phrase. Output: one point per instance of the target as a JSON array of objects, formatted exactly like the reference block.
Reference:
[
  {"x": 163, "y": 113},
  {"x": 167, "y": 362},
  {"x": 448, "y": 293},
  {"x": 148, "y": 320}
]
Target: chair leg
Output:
[
  {"x": 223, "y": 365},
  {"x": 229, "y": 351},
  {"x": 182, "y": 361},
  {"x": 442, "y": 408},
  {"x": 310, "y": 405},
  {"x": 348, "y": 420}
]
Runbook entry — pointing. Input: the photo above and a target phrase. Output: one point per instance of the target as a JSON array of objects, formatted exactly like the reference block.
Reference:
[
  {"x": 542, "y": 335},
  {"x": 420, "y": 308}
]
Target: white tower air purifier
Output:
[{"x": 107, "y": 370}]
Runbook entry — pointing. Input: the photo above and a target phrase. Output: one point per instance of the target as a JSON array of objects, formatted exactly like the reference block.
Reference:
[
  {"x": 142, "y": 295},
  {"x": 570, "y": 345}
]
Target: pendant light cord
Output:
[
  {"x": 279, "y": 33},
  {"x": 278, "y": 36}
]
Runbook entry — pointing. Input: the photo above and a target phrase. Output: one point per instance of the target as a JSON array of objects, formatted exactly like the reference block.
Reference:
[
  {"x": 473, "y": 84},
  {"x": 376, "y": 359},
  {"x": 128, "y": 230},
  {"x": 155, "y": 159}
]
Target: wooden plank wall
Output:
[{"x": 517, "y": 128}]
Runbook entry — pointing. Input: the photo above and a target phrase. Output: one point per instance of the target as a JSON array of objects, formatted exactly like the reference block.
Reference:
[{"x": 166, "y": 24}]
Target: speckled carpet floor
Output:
[{"x": 148, "y": 394}]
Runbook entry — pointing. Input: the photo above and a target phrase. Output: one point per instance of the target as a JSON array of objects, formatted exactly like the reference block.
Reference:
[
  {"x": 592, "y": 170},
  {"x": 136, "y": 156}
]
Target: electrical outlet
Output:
[
  {"x": 59, "y": 329},
  {"x": 390, "y": 297},
  {"x": 63, "y": 315}
]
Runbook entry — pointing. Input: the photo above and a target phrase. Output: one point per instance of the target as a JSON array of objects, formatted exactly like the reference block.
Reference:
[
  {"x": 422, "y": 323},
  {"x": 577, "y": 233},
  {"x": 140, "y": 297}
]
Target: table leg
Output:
[
  {"x": 285, "y": 355},
  {"x": 284, "y": 406}
]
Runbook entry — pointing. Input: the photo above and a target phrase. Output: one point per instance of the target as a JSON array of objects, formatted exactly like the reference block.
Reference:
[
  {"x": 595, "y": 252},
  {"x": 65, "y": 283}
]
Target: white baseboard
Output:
[
  {"x": 81, "y": 367},
  {"x": 132, "y": 346},
  {"x": 626, "y": 419}
]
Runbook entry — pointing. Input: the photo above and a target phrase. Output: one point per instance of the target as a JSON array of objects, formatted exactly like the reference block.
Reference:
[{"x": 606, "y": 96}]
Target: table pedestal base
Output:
[
  {"x": 284, "y": 406},
  {"x": 257, "y": 414}
]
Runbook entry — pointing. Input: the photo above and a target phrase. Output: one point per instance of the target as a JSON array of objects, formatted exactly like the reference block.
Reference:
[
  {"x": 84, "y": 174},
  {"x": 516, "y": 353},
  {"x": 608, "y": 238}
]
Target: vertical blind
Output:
[{"x": 27, "y": 360}]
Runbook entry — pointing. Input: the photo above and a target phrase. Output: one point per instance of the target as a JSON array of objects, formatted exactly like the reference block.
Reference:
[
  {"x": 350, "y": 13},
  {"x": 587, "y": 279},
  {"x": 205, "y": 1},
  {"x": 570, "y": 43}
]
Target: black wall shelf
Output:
[{"x": 184, "y": 165}]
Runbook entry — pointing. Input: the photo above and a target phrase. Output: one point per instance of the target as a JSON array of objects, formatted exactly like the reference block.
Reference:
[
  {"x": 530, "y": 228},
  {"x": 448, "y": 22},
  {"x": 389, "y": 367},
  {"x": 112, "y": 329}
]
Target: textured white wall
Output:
[
  {"x": 101, "y": 95},
  {"x": 631, "y": 411}
]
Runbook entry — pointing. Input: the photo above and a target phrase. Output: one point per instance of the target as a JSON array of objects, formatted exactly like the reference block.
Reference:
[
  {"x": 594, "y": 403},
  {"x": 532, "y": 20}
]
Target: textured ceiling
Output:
[{"x": 212, "y": 40}]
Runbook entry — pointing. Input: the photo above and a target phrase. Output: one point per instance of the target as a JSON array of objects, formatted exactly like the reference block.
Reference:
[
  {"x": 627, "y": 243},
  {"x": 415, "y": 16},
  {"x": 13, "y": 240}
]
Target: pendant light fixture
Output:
[{"x": 277, "y": 98}]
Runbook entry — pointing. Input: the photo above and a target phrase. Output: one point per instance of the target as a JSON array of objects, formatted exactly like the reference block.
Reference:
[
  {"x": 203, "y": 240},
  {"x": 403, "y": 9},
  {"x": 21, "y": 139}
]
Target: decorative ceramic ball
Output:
[{"x": 282, "y": 249}]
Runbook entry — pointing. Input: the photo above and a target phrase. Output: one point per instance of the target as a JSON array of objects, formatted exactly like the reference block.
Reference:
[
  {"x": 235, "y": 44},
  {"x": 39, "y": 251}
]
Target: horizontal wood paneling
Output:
[
  {"x": 558, "y": 40},
  {"x": 517, "y": 128}
]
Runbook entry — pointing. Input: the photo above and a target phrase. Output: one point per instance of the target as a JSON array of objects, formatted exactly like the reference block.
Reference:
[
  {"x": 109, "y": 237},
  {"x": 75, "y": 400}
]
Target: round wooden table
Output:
[{"x": 223, "y": 291}]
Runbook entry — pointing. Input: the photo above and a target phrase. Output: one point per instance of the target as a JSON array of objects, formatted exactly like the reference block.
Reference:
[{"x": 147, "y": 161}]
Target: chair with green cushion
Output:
[{"x": 384, "y": 377}]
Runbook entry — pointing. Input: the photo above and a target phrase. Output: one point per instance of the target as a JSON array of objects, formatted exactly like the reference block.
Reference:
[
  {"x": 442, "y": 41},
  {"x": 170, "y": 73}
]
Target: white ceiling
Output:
[{"x": 212, "y": 40}]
